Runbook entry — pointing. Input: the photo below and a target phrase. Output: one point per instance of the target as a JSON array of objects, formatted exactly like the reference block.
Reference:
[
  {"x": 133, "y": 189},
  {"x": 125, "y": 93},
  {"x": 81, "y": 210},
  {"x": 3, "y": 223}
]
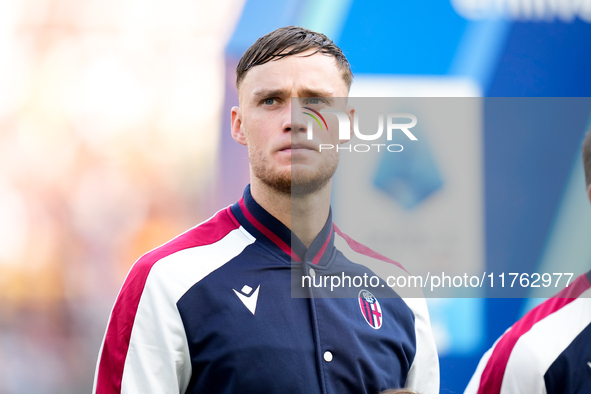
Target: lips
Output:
[{"x": 299, "y": 146}]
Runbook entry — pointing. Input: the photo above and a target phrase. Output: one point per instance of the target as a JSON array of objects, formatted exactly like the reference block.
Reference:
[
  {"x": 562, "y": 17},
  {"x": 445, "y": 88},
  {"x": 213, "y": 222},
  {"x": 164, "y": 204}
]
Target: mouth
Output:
[{"x": 293, "y": 148}]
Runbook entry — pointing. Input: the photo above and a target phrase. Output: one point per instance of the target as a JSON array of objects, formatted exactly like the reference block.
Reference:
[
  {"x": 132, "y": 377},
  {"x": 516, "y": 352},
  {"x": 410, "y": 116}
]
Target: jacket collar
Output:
[{"x": 275, "y": 235}]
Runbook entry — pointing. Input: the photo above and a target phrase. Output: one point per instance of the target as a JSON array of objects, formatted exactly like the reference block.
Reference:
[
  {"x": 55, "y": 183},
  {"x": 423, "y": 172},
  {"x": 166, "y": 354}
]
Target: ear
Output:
[
  {"x": 350, "y": 115},
  {"x": 237, "y": 131}
]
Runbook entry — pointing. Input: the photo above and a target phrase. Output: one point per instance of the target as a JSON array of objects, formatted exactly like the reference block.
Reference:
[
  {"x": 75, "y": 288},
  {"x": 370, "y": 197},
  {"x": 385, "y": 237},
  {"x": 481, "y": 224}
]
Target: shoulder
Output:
[
  {"x": 521, "y": 357},
  {"x": 388, "y": 270},
  {"x": 188, "y": 257},
  {"x": 361, "y": 254}
]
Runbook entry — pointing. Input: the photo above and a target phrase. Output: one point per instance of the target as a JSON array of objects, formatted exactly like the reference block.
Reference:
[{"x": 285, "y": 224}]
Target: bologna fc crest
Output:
[{"x": 370, "y": 308}]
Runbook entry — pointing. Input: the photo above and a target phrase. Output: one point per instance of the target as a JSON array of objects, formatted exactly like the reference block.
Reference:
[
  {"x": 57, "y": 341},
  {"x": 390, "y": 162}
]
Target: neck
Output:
[{"x": 310, "y": 211}]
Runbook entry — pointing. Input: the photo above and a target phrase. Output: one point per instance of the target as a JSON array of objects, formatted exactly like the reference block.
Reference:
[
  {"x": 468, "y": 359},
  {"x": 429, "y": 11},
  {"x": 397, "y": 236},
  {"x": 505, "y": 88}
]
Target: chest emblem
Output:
[
  {"x": 370, "y": 309},
  {"x": 248, "y": 298}
]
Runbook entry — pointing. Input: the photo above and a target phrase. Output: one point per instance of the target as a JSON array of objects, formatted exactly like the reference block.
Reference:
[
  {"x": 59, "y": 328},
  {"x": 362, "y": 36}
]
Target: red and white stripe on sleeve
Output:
[{"x": 145, "y": 347}]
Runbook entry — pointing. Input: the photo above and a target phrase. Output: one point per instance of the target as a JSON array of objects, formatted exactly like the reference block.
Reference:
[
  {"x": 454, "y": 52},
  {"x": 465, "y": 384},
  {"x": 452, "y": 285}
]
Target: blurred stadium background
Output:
[{"x": 114, "y": 137}]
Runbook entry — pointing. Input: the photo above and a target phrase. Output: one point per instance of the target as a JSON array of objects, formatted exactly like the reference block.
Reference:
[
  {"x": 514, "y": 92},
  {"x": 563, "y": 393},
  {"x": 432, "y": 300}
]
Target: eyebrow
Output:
[
  {"x": 314, "y": 93},
  {"x": 264, "y": 93}
]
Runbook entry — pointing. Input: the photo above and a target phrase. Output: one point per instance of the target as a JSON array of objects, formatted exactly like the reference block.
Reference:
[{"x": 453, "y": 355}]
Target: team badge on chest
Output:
[{"x": 370, "y": 309}]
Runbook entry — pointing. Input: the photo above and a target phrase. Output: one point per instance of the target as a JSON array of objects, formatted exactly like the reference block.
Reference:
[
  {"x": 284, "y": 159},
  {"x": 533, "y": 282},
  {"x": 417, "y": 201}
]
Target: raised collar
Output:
[{"x": 275, "y": 235}]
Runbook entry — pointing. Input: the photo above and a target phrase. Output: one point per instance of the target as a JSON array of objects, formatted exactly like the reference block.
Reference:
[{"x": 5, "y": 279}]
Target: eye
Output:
[
  {"x": 315, "y": 101},
  {"x": 269, "y": 101}
]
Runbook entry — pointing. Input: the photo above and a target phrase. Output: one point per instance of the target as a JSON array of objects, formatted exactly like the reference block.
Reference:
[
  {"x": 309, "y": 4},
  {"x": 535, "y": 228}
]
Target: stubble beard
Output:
[{"x": 294, "y": 181}]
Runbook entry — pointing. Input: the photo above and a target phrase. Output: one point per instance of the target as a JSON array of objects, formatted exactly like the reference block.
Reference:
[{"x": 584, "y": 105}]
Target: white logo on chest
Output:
[{"x": 249, "y": 300}]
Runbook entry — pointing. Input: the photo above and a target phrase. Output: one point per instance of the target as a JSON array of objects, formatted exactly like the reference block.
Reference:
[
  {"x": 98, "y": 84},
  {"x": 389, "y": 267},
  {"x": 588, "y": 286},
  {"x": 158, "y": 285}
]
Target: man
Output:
[
  {"x": 212, "y": 310},
  {"x": 549, "y": 349}
]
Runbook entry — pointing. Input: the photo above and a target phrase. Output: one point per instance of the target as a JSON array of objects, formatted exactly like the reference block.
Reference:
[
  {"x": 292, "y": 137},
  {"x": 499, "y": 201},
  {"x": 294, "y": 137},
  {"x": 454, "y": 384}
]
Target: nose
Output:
[{"x": 294, "y": 119}]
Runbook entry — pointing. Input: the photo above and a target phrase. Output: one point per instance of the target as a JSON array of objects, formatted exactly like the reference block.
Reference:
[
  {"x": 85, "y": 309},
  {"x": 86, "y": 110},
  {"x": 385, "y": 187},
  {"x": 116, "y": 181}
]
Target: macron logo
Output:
[{"x": 249, "y": 301}]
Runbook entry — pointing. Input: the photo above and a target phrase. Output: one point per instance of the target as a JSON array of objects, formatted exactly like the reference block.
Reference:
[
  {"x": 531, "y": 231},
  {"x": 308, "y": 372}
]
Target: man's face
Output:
[{"x": 280, "y": 153}]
